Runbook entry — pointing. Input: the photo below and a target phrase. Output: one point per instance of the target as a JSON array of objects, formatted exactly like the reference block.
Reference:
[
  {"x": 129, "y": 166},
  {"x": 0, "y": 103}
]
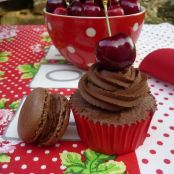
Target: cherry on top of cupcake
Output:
[
  {"x": 92, "y": 8},
  {"x": 116, "y": 52}
]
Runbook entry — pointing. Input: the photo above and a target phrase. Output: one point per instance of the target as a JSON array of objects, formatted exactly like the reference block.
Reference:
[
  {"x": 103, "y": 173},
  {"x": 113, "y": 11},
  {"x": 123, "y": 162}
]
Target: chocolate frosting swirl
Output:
[{"x": 113, "y": 90}]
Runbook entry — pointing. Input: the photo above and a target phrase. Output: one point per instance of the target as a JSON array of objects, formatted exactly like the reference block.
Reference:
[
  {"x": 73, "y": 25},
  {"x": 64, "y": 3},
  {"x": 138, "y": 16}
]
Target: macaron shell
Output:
[
  {"x": 52, "y": 107},
  {"x": 31, "y": 119},
  {"x": 63, "y": 120},
  {"x": 52, "y": 119}
]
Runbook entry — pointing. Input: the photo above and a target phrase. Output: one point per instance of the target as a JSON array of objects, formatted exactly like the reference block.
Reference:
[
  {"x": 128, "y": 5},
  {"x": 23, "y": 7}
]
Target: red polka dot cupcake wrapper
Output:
[{"x": 111, "y": 139}]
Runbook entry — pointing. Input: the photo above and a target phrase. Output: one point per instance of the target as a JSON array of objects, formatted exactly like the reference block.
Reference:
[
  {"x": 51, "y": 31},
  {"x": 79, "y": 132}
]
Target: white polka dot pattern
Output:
[
  {"x": 29, "y": 151},
  {"x": 17, "y": 158},
  {"x": 135, "y": 27},
  {"x": 57, "y": 145},
  {"x": 35, "y": 159},
  {"x": 20, "y": 53},
  {"x": 54, "y": 159},
  {"x": 75, "y": 145},
  {"x": 24, "y": 166},
  {"x": 4, "y": 166},
  {"x": 22, "y": 144},
  {"x": 43, "y": 167},
  {"x": 90, "y": 32},
  {"x": 157, "y": 153},
  {"x": 71, "y": 49},
  {"x": 62, "y": 167},
  {"x": 47, "y": 151},
  {"x": 154, "y": 37}
]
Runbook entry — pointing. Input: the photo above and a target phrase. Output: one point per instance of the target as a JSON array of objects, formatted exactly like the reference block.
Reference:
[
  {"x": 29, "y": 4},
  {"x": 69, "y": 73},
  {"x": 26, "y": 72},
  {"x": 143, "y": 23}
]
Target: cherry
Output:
[
  {"x": 53, "y": 4},
  {"x": 76, "y": 9},
  {"x": 73, "y": 1},
  {"x": 99, "y": 2},
  {"x": 116, "y": 52},
  {"x": 113, "y": 10},
  {"x": 130, "y": 6},
  {"x": 90, "y": 8},
  {"x": 60, "y": 11},
  {"x": 114, "y": 2}
]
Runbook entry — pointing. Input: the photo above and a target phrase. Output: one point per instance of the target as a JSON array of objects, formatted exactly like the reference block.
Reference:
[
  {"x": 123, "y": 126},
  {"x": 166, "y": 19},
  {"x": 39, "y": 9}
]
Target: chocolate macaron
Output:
[{"x": 43, "y": 118}]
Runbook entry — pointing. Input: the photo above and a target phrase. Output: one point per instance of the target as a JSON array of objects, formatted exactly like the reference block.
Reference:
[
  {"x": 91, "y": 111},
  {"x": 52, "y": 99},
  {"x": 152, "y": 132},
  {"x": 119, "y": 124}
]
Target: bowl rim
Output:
[{"x": 143, "y": 10}]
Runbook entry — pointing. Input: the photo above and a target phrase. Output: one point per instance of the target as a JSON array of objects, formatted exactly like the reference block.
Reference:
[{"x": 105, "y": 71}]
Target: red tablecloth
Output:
[{"x": 22, "y": 50}]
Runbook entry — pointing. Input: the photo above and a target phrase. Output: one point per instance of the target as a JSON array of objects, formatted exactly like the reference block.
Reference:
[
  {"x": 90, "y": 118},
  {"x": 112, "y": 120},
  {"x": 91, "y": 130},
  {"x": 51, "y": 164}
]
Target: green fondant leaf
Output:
[
  {"x": 36, "y": 65},
  {"x": 95, "y": 163},
  {"x": 111, "y": 167},
  {"x": 28, "y": 70},
  {"x": 14, "y": 105},
  {"x": 93, "y": 159},
  {"x": 2, "y": 73},
  {"x": 4, "y": 54},
  {"x": 25, "y": 68},
  {"x": 10, "y": 39},
  {"x": 4, "y": 158},
  {"x": 69, "y": 158},
  {"x": 3, "y": 59},
  {"x": 72, "y": 161},
  {"x": 74, "y": 170},
  {"x": 46, "y": 39},
  {"x": 2, "y": 103},
  {"x": 27, "y": 75}
]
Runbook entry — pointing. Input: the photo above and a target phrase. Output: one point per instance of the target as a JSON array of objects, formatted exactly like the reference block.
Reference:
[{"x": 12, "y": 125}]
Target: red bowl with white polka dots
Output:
[{"x": 76, "y": 37}]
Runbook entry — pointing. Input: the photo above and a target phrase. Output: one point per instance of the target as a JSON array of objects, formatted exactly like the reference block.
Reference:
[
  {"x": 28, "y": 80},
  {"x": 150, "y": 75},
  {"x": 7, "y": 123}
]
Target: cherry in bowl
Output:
[
  {"x": 130, "y": 6},
  {"x": 51, "y": 5}
]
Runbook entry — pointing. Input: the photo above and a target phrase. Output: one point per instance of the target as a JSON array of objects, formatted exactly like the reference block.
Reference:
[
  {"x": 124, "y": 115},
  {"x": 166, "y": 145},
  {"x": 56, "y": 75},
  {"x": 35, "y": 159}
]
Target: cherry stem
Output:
[
  {"x": 106, "y": 15},
  {"x": 67, "y": 3}
]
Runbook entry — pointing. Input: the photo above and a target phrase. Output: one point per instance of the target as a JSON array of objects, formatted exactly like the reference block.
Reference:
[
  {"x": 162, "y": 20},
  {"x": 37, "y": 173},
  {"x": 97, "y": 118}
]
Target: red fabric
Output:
[
  {"x": 131, "y": 162},
  {"x": 160, "y": 64},
  {"x": 28, "y": 47}
]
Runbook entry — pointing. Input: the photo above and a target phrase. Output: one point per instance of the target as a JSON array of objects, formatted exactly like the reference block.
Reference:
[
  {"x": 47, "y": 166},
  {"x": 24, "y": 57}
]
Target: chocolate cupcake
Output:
[{"x": 113, "y": 108}]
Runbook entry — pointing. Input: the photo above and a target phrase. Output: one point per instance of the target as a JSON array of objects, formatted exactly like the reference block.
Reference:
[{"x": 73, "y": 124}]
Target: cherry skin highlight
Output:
[{"x": 60, "y": 11}]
